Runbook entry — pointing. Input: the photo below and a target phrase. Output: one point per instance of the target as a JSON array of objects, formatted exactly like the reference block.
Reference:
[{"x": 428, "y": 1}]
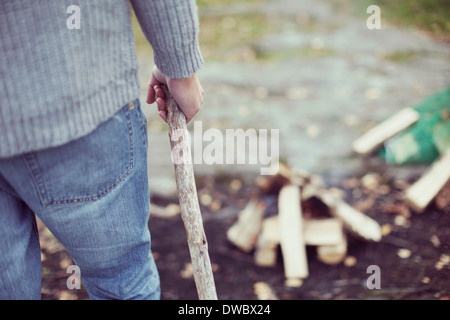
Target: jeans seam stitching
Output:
[
  {"x": 35, "y": 175},
  {"x": 143, "y": 122},
  {"x": 139, "y": 110}
]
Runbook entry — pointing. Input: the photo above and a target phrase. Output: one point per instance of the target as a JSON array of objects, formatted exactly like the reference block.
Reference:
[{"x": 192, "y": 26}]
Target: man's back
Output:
[
  {"x": 59, "y": 83},
  {"x": 73, "y": 137}
]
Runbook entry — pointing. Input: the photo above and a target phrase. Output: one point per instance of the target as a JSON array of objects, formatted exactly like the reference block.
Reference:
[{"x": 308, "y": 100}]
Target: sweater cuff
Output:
[
  {"x": 181, "y": 63},
  {"x": 171, "y": 27}
]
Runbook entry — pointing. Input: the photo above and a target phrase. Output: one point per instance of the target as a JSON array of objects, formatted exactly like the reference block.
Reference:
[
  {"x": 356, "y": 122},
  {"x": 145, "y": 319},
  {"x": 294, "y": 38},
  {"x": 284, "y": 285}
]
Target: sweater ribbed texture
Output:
[{"x": 59, "y": 84}]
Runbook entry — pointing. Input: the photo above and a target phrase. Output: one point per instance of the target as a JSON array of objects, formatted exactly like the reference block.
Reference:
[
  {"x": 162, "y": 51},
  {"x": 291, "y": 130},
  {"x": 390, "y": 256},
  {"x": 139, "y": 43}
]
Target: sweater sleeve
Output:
[{"x": 171, "y": 27}]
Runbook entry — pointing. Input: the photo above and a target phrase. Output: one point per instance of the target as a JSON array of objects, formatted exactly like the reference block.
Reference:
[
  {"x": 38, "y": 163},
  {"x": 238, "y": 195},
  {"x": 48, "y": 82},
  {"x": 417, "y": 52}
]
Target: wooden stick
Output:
[
  {"x": 187, "y": 195},
  {"x": 421, "y": 193},
  {"x": 373, "y": 138}
]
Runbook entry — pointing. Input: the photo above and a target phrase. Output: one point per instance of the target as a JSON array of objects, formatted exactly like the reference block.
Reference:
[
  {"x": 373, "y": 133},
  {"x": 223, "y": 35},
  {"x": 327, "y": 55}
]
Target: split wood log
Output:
[
  {"x": 244, "y": 232},
  {"x": 317, "y": 232},
  {"x": 187, "y": 195},
  {"x": 376, "y": 136},
  {"x": 326, "y": 234},
  {"x": 323, "y": 232},
  {"x": 333, "y": 254},
  {"x": 354, "y": 220},
  {"x": 329, "y": 237},
  {"x": 291, "y": 229},
  {"x": 421, "y": 193},
  {"x": 268, "y": 241}
]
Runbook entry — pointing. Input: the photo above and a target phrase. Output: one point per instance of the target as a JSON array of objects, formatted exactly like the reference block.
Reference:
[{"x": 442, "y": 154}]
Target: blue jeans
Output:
[{"x": 92, "y": 194}]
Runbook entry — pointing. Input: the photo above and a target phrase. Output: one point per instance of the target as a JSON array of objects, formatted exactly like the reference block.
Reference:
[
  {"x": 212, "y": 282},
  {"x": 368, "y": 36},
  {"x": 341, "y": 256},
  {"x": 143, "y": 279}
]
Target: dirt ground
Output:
[{"x": 412, "y": 256}]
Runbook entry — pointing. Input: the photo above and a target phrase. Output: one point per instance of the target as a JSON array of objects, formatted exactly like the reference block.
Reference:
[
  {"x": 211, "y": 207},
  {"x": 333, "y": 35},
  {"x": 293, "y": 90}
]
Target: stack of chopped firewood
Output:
[
  {"x": 424, "y": 190},
  {"x": 292, "y": 222}
]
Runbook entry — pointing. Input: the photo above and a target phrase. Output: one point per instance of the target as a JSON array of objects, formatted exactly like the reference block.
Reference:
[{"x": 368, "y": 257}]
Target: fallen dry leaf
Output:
[
  {"x": 350, "y": 261},
  {"x": 187, "y": 272},
  {"x": 263, "y": 291},
  {"x": 404, "y": 253}
]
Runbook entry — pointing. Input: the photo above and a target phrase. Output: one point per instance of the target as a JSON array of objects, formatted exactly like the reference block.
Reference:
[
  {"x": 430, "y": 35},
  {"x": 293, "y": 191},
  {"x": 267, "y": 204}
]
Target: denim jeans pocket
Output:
[{"x": 88, "y": 168}]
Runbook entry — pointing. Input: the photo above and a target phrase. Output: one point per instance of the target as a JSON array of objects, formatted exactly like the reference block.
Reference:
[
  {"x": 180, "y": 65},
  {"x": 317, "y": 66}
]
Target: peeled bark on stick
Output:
[{"x": 187, "y": 195}]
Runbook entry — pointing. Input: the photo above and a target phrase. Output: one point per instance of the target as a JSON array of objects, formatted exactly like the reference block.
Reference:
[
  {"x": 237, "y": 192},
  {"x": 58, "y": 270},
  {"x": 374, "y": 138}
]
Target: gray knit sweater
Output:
[{"x": 59, "y": 83}]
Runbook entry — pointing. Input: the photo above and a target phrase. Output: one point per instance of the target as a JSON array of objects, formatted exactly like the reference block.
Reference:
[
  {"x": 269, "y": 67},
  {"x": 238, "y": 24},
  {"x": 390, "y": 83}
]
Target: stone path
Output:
[{"x": 320, "y": 102}]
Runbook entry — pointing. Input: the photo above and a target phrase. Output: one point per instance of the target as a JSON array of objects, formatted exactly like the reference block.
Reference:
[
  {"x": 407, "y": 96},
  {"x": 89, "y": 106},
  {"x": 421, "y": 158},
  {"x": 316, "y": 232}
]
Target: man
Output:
[{"x": 73, "y": 139}]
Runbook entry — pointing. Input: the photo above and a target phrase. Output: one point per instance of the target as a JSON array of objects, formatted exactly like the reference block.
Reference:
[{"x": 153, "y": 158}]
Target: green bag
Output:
[{"x": 427, "y": 138}]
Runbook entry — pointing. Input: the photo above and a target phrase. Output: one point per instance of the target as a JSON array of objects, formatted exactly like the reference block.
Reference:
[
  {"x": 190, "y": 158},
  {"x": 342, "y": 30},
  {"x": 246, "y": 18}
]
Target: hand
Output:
[{"x": 187, "y": 92}]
